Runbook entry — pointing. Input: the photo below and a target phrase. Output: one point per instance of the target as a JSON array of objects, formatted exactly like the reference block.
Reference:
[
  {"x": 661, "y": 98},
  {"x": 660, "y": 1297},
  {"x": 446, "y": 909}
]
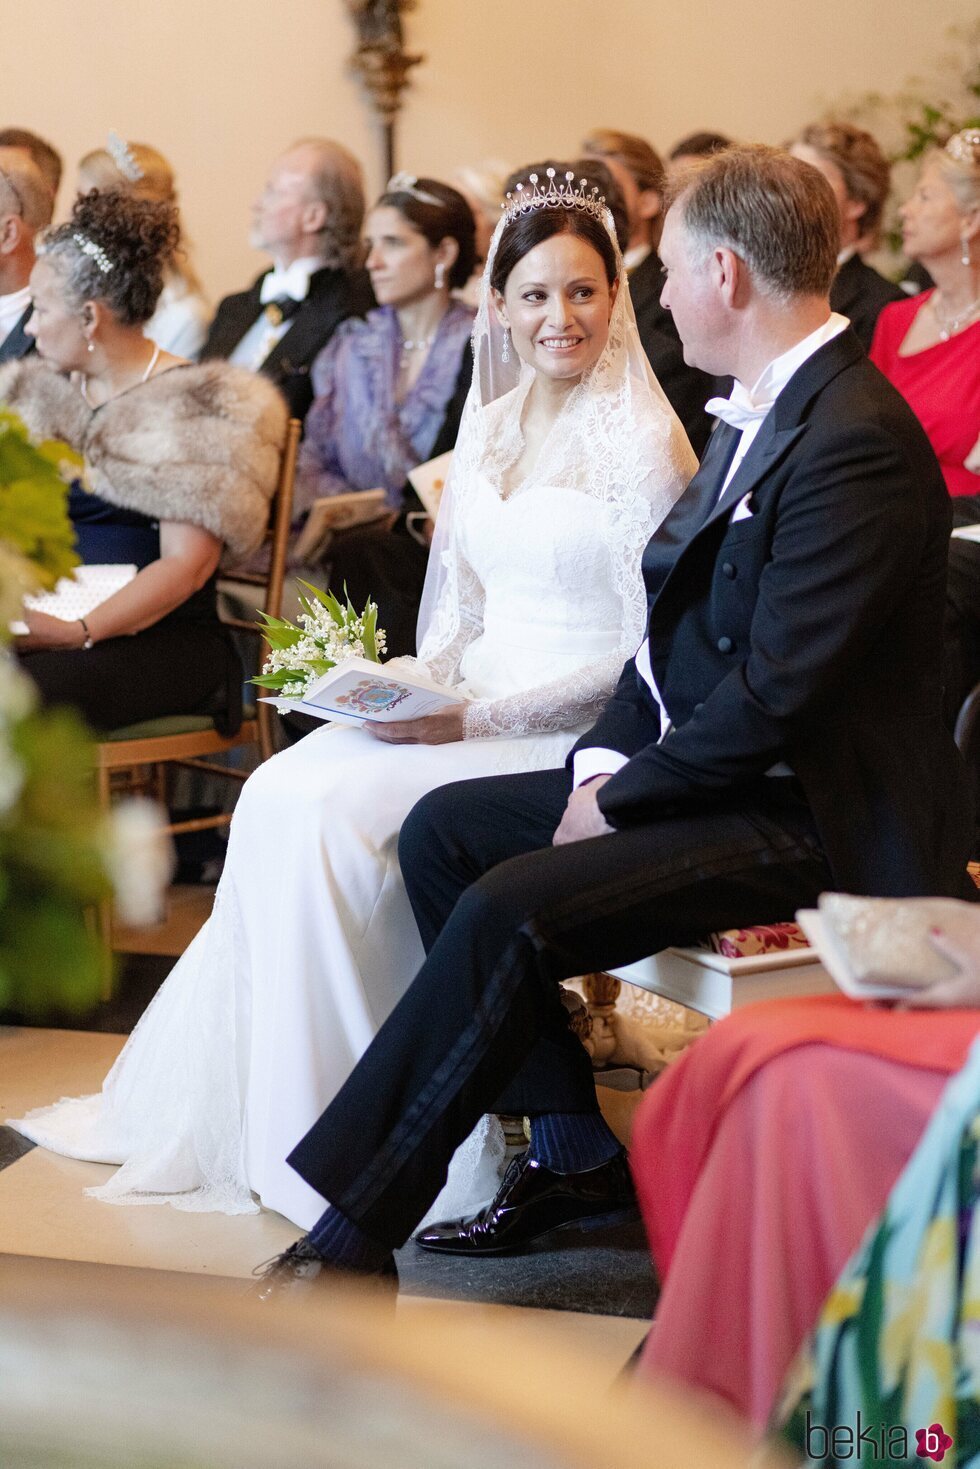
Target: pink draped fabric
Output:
[{"x": 760, "y": 1158}]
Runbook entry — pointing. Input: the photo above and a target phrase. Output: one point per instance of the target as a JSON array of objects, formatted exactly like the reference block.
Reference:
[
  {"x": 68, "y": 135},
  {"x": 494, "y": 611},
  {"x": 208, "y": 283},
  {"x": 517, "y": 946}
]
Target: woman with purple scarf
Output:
[{"x": 390, "y": 391}]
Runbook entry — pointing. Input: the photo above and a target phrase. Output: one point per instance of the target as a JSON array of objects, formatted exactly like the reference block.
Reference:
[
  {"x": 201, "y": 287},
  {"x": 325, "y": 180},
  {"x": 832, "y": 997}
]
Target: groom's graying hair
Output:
[{"x": 774, "y": 211}]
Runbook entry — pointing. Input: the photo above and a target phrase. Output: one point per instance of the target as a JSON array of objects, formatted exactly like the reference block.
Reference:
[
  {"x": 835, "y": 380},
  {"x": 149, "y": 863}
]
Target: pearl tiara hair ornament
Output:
[
  {"x": 407, "y": 183},
  {"x": 964, "y": 146},
  {"x": 123, "y": 157},
  {"x": 94, "y": 251},
  {"x": 562, "y": 195}
]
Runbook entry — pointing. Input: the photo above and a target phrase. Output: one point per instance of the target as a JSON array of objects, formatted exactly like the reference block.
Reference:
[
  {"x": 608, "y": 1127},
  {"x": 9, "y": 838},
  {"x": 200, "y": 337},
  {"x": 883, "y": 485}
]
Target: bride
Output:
[{"x": 568, "y": 458}]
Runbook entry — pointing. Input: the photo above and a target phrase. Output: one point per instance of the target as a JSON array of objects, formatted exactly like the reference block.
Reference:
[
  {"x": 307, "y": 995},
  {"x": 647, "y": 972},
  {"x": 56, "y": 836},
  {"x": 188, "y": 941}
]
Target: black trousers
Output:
[{"x": 504, "y": 916}]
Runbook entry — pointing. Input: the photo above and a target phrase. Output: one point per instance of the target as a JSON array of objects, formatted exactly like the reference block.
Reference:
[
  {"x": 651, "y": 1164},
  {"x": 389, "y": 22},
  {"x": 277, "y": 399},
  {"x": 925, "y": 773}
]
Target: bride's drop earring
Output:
[{"x": 505, "y": 348}]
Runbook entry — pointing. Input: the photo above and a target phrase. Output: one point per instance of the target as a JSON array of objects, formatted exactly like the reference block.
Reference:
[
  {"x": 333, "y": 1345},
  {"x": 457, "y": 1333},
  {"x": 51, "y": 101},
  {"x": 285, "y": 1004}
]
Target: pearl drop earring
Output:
[
  {"x": 440, "y": 275},
  {"x": 91, "y": 346},
  {"x": 965, "y": 258}
]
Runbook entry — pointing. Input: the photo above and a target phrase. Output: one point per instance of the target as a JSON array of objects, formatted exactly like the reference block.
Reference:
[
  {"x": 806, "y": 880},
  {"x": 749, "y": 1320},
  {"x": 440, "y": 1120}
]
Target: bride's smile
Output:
[{"x": 557, "y": 304}]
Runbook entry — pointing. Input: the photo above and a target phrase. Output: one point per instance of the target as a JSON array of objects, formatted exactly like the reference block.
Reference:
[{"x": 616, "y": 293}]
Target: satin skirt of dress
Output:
[{"x": 310, "y": 945}]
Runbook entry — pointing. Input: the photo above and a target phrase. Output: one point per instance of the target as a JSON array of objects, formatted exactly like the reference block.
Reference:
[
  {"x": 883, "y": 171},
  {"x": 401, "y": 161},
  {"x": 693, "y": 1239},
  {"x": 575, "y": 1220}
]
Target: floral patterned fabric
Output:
[{"x": 898, "y": 1339}]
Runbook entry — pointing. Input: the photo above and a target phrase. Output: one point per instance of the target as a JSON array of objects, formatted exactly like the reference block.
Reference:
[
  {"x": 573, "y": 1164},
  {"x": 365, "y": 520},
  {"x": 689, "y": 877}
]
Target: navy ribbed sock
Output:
[
  {"x": 572, "y": 1142},
  {"x": 343, "y": 1244}
]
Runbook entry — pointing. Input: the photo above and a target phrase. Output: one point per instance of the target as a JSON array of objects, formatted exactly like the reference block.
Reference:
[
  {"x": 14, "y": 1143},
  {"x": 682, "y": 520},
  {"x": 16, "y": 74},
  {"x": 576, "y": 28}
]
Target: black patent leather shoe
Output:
[
  {"x": 533, "y": 1202},
  {"x": 301, "y": 1271}
]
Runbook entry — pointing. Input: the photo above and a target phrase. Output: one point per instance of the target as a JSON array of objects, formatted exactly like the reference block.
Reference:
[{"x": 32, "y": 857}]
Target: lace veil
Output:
[{"x": 616, "y": 439}]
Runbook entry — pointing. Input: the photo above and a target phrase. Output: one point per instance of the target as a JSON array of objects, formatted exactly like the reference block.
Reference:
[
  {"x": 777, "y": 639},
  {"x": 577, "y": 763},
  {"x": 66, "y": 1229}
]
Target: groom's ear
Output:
[{"x": 499, "y": 307}]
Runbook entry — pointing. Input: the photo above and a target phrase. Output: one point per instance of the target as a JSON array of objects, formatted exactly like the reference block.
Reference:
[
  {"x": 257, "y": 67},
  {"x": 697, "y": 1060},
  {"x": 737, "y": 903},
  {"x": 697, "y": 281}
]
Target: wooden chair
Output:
[{"x": 144, "y": 751}]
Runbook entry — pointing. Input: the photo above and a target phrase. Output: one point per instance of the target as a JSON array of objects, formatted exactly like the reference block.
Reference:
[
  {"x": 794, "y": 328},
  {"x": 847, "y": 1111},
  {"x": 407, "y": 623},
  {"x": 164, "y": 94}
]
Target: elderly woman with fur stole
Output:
[{"x": 180, "y": 460}]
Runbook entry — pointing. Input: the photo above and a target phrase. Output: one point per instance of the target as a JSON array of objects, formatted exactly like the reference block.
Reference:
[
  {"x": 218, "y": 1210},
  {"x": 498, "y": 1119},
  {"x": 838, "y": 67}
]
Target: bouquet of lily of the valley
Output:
[{"x": 326, "y": 633}]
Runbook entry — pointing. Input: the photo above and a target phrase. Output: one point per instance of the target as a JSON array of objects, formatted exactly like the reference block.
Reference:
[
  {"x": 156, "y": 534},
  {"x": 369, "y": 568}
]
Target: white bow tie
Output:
[
  {"x": 293, "y": 282},
  {"x": 737, "y": 412}
]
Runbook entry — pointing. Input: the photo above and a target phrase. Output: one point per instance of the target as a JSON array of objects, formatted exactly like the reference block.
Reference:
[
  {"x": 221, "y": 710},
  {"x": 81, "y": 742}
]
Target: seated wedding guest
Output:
[
  {"x": 25, "y": 207},
  {"x": 639, "y": 173},
  {"x": 777, "y": 733},
  {"x": 694, "y": 146},
  {"x": 179, "y": 459},
  {"x": 858, "y": 172},
  {"x": 929, "y": 347},
  {"x": 46, "y": 158},
  {"x": 482, "y": 185},
  {"x": 180, "y": 322},
  {"x": 764, "y": 1153},
  {"x": 390, "y": 391},
  {"x": 308, "y": 217},
  {"x": 568, "y": 458},
  {"x": 895, "y": 1340}
]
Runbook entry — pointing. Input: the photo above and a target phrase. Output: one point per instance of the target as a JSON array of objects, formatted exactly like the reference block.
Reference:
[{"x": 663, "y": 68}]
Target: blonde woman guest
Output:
[
  {"x": 929, "y": 348},
  {"x": 180, "y": 322}
]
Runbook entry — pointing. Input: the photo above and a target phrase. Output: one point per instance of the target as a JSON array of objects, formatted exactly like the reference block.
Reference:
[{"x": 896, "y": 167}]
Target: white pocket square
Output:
[{"x": 743, "y": 510}]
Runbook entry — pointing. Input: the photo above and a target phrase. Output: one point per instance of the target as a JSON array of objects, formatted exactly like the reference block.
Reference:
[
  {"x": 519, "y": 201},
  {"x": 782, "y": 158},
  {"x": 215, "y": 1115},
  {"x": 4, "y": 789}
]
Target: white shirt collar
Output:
[
  {"x": 12, "y": 308},
  {"x": 843, "y": 256},
  {"x": 636, "y": 256},
  {"x": 290, "y": 280},
  {"x": 771, "y": 381}
]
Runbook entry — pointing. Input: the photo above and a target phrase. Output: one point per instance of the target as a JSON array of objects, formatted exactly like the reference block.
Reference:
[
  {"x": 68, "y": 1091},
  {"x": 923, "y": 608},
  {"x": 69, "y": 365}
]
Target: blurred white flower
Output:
[{"x": 139, "y": 859}]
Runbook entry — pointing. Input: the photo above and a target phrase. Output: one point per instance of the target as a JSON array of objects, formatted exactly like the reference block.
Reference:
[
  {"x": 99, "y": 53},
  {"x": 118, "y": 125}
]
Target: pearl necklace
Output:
[
  {"x": 422, "y": 345},
  {"x": 949, "y": 324},
  {"x": 146, "y": 375}
]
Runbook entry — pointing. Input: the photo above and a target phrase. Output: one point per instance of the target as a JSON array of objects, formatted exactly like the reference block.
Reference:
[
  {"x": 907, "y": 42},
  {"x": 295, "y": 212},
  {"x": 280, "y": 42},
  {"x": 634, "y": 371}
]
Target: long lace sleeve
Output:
[
  {"x": 443, "y": 665},
  {"x": 564, "y": 703}
]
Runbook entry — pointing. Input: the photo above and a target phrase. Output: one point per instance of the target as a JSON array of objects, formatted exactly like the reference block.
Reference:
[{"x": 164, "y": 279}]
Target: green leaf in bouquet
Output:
[
  {"x": 369, "y": 638},
  {"x": 279, "y": 633},
  {"x": 320, "y": 666},
  {"x": 276, "y": 681},
  {"x": 327, "y": 600}
]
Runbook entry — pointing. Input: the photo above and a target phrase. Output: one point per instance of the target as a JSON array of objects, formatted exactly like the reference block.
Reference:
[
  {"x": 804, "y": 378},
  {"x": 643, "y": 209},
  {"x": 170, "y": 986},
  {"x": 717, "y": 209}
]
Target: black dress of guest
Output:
[
  {"x": 183, "y": 664},
  {"x": 861, "y": 293}
]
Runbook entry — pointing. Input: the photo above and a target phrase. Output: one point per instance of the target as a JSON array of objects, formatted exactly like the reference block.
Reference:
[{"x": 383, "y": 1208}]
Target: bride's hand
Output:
[{"x": 441, "y": 728}]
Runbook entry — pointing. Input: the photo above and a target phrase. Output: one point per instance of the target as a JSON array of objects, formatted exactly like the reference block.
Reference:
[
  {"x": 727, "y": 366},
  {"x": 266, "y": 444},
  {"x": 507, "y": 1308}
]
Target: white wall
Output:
[{"x": 221, "y": 85}]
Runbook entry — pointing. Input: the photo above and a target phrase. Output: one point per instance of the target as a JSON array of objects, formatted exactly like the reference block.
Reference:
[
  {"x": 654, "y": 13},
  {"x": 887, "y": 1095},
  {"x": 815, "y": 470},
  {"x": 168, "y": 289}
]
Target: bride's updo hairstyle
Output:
[
  {"x": 439, "y": 212},
  {"x": 524, "y": 231},
  {"x": 114, "y": 248}
]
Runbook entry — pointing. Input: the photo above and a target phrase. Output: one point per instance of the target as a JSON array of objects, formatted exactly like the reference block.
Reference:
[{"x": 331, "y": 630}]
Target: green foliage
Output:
[{"x": 33, "y": 500}]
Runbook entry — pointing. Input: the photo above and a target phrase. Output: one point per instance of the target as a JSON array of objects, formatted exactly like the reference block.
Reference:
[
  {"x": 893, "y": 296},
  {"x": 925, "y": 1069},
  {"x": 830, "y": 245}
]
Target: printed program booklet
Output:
[
  {"x": 76, "y": 596},
  {"x": 334, "y": 513},
  {"x": 358, "y": 691}
]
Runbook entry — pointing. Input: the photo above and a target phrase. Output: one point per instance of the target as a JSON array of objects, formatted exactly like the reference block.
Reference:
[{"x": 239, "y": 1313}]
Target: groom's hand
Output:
[{"x": 582, "y": 818}]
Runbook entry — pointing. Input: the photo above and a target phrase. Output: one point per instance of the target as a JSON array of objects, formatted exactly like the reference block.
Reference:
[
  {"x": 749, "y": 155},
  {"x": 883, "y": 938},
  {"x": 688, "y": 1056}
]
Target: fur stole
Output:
[{"x": 200, "y": 443}]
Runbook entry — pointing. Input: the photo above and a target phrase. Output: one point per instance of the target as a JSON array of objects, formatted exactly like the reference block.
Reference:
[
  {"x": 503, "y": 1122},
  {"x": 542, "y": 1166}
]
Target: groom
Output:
[{"x": 777, "y": 733}]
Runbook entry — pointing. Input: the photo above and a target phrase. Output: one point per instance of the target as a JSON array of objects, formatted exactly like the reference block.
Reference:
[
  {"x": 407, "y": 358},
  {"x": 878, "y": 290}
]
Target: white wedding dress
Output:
[{"x": 534, "y": 601}]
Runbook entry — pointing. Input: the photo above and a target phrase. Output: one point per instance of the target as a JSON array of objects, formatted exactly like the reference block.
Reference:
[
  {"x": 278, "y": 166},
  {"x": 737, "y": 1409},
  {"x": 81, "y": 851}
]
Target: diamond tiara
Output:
[
  {"x": 557, "y": 195},
  {"x": 94, "y": 251},
  {"x": 965, "y": 146},
  {"x": 123, "y": 157}
]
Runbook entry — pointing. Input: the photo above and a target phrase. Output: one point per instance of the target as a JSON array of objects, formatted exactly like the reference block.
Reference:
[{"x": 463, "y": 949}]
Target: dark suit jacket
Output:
[
  {"x": 808, "y": 633},
  {"x": 334, "y": 295},
  {"x": 860, "y": 293},
  {"x": 687, "y": 388},
  {"x": 17, "y": 343}
]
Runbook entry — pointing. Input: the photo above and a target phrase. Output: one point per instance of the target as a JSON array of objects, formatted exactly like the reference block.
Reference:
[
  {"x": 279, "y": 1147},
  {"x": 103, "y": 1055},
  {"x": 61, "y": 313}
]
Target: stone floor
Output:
[{"x": 601, "y": 1283}]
